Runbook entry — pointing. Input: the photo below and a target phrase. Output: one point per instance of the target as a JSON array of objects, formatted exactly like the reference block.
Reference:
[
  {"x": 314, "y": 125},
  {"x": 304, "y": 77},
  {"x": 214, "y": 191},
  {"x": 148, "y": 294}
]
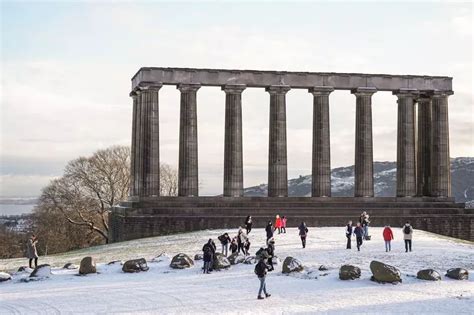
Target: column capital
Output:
[
  {"x": 146, "y": 86},
  {"x": 364, "y": 91},
  {"x": 321, "y": 90},
  {"x": 278, "y": 89},
  {"x": 192, "y": 87},
  {"x": 406, "y": 93},
  {"x": 233, "y": 88}
]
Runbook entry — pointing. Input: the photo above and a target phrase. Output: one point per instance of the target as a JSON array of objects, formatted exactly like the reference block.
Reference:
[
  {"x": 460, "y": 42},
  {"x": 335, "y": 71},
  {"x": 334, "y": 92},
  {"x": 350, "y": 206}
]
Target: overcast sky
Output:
[{"x": 66, "y": 70}]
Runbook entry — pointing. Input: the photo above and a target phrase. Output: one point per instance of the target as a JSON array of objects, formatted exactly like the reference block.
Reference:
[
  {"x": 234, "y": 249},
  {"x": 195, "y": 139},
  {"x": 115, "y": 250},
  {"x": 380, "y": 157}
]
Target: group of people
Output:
[{"x": 361, "y": 232}]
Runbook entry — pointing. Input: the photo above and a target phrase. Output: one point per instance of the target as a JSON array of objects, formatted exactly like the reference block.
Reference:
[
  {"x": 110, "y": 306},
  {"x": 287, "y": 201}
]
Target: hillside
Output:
[
  {"x": 462, "y": 172},
  {"x": 168, "y": 291}
]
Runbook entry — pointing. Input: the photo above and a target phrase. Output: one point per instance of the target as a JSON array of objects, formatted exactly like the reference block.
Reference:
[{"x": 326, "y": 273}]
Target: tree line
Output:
[{"x": 72, "y": 211}]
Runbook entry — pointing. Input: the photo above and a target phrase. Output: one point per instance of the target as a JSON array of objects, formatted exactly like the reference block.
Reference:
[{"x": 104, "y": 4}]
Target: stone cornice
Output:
[{"x": 296, "y": 80}]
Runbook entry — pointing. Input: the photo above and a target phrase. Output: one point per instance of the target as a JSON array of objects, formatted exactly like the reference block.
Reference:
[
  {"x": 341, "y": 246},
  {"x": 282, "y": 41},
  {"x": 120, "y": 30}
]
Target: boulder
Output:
[
  {"x": 87, "y": 266},
  {"x": 181, "y": 261},
  {"x": 349, "y": 272},
  {"x": 249, "y": 260},
  {"x": 42, "y": 271},
  {"x": 323, "y": 268},
  {"x": 135, "y": 265},
  {"x": 5, "y": 276},
  {"x": 70, "y": 266},
  {"x": 428, "y": 274},
  {"x": 457, "y": 273},
  {"x": 291, "y": 265},
  {"x": 235, "y": 259},
  {"x": 220, "y": 262},
  {"x": 384, "y": 273},
  {"x": 198, "y": 257}
]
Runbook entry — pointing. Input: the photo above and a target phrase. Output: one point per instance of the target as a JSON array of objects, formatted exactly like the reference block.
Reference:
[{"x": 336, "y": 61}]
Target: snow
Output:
[{"x": 167, "y": 291}]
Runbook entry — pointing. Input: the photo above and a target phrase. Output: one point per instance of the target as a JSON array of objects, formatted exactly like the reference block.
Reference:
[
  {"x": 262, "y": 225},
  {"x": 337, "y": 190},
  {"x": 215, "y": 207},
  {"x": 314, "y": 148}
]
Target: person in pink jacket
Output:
[
  {"x": 283, "y": 224},
  {"x": 278, "y": 224}
]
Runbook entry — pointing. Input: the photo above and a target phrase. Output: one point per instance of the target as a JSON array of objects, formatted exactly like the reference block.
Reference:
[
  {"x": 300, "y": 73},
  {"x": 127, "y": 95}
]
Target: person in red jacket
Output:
[
  {"x": 278, "y": 223},
  {"x": 387, "y": 237}
]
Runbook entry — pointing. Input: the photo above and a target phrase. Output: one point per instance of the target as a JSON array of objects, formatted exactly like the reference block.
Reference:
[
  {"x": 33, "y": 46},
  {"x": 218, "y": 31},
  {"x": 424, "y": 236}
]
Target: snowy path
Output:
[{"x": 166, "y": 291}]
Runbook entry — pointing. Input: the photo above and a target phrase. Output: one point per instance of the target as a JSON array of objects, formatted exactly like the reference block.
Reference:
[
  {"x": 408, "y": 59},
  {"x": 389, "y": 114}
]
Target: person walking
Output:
[
  {"x": 348, "y": 234},
  {"x": 407, "y": 236},
  {"x": 261, "y": 272},
  {"x": 303, "y": 233},
  {"x": 248, "y": 224},
  {"x": 208, "y": 256},
  {"x": 359, "y": 233},
  {"x": 269, "y": 230},
  {"x": 225, "y": 241},
  {"x": 32, "y": 253},
  {"x": 278, "y": 223},
  {"x": 283, "y": 224},
  {"x": 271, "y": 253},
  {"x": 387, "y": 237}
]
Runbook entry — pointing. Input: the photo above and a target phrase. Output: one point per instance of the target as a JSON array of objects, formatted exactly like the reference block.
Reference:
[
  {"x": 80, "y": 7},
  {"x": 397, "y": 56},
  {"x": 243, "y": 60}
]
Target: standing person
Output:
[
  {"x": 359, "y": 233},
  {"x": 303, "y": 233},
  {"x": 269, "y": 230},
  {"x": 208, "y": 256},
  {"x": 31, "y": 250},
  {"x": 261, "y": 272},
  {"x": 248, "y": 224},
  {"x": 271, "y": 253},
  {"x": 387, "y": 237},
  {"x": 241, "y": 239},
  {"x": 247, "y": 247},
  {"x": 278, "y": 223},
  {"x": 283, "y": 224},
  {"x": 349, "y": 234},
  {"x": 225, "y": 240},
  {"x": 407, "y": 236},
  {"x": 233, "y": 245},
  {"x": 364, "y": 221}
]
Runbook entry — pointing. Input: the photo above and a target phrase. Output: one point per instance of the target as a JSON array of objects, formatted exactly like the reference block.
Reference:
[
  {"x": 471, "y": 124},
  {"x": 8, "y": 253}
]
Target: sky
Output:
[{"x": 66, "y": 69}]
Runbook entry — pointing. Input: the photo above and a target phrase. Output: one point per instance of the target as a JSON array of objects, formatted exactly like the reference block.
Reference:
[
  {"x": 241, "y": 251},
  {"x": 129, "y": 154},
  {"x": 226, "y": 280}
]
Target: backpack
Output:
[
  {"x": 221, "y": 238},
  {"x": 406, "y": 229}
]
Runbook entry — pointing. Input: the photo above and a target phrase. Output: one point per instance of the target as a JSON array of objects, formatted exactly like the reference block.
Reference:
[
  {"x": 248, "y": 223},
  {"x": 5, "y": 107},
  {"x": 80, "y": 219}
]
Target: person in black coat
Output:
[
  {"x": 359, "y": 233},
  {"x": 269, "y": 230},
  {"x": 261, "y": 272},
  {"x": 208, "y": 255},
  {"x": 303, "y": 233},
  {"x": 349, "y": 234},
  {"x": 248, "y": 224},
  {"x": 233, "y": 246}
]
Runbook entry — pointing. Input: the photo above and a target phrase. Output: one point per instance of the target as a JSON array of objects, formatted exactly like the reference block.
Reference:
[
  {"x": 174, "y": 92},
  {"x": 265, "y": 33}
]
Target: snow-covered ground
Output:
[{"x": 163, "y": 290}]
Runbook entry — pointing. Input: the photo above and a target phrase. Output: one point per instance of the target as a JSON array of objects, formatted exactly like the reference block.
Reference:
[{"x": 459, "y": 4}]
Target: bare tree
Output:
[{"x": 91, "y": 186}]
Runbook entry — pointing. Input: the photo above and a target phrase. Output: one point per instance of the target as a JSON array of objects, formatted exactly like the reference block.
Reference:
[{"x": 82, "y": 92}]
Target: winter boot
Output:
[
  {"x": 260, "y": 297},
  {"x": 268, "y": 295}
]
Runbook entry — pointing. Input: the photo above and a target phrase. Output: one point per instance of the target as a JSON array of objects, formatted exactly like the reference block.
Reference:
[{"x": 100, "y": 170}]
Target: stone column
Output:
[
  {"x": 233, "y": 162},
  {"x": 364, "y": 166},
  {"x": 188, "y": 182},
  {"x": 406, "y": 175},
  {"x": 277, "y": 162},
  {"x": 423, "y": 152},
  {"x": 145, "y": 154},
  {"x": 440, "y": 161},
  {"x": 133, "y": 149},
  {"x": 321, "y": 168}
]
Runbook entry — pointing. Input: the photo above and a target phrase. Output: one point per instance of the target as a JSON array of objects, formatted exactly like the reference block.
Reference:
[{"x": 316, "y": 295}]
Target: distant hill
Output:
[{"x": 342, "y": 181}]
